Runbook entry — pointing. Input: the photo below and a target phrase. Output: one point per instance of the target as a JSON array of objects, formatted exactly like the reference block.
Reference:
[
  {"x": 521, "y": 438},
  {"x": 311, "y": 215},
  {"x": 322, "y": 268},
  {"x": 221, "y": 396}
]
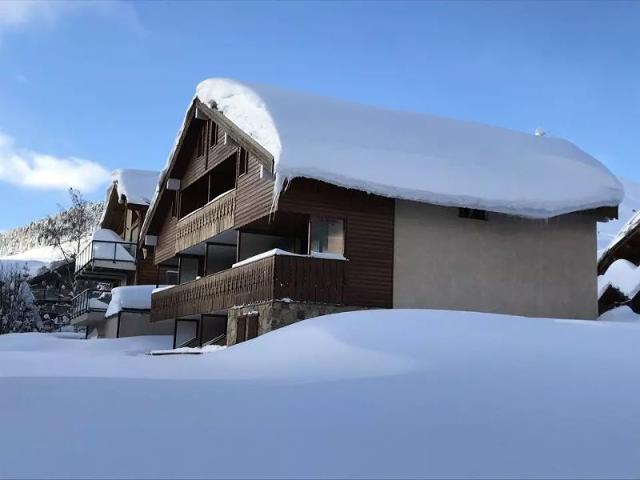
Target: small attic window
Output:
[
  {"x": 201, "y": 141},
  {"x": 213, "y": 134},
  {"x": 472, "y": 213},
  {"x": 243, "y": 162}
]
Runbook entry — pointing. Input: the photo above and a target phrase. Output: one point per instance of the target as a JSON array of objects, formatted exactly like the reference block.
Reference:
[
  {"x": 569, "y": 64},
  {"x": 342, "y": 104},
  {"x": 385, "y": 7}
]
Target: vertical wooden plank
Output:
[{"x": 241, "y": 329}]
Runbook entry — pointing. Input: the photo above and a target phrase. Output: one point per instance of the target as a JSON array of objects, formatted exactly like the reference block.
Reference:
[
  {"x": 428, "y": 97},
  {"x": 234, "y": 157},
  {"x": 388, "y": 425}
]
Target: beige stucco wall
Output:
[{"x": 505, "y": 265}]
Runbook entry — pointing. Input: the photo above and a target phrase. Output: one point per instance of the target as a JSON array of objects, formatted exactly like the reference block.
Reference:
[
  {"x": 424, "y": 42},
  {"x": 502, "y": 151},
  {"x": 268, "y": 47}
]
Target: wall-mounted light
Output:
[{"x": 173, "y": 184}]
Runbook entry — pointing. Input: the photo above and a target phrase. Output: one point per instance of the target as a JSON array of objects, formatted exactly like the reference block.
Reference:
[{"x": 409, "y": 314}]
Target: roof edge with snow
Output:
[{"x": 420, "y": 158}]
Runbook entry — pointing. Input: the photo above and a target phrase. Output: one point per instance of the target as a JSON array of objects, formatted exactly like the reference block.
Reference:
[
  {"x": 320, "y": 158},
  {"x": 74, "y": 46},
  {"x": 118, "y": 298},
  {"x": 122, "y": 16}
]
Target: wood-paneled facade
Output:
[{"x": 208, "y": 141}]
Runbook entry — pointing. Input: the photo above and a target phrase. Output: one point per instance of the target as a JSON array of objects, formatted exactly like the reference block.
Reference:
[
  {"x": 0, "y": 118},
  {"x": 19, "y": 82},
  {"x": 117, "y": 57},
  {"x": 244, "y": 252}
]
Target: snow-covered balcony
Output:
[
  {"x": 271, "y": 275},
  {"x": 106, "y": 254},
  {"x": 89, "y": 306}
]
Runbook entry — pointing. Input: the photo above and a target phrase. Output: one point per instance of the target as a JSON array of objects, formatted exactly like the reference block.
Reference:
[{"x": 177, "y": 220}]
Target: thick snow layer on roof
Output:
[
  {"x": 136, "y": 297},
  {"x": 623, "y": 275},
  {"x": 414, "y": 156},
  {"x": 138, "y": 186},
  {"x": 464, "y": 395}
]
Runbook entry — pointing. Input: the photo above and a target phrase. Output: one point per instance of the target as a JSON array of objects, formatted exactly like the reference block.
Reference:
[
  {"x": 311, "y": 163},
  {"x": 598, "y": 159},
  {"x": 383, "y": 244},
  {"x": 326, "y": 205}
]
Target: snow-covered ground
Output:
[{"x": 366, "y": 394}]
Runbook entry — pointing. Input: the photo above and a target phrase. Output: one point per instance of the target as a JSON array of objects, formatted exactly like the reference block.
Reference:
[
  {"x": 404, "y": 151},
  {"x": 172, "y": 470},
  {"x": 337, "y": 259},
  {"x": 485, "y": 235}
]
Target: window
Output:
[
  {"x": 326, "y": 235},
  {"x": 201, "y": 140},
  {"x": 472, "y": 213},
  {"x": 213, "y": 134},
  {"x": 172, "y": 277},
  {"x": 243, "y": 162}
]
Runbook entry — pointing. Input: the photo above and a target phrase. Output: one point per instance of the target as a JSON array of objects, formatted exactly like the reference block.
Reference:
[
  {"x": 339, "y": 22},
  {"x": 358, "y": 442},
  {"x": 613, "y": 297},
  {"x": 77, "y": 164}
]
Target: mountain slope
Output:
[{"x": 21, "y": 247}]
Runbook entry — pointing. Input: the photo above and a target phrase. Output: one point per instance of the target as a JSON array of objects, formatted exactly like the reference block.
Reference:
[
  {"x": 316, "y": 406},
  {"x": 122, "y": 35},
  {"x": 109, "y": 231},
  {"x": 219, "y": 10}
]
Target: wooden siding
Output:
[
  {"x": 369, "y": 224},
  {"x": 166, "y": 247},
  {"x": 146, "y": 271},
  {"x": 297, "y": 278},
  {"x": 213, "y": 218},
  {"x": 254, "y": 195},
  {"x": 309, "y": 279},
  {"x": 196, "y": 167}
]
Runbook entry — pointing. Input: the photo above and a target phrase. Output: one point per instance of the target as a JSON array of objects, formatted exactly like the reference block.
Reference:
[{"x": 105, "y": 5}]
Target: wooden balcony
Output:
[
  {"x": 281, "y": 276},
  {"x": 215, "y": 217}
]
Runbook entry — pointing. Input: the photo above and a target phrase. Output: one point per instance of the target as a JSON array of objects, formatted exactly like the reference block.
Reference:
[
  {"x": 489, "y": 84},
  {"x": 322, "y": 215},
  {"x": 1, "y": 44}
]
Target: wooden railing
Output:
[
  {"x": 215, "y": 217},
  {"x": 278, "y": 277}
]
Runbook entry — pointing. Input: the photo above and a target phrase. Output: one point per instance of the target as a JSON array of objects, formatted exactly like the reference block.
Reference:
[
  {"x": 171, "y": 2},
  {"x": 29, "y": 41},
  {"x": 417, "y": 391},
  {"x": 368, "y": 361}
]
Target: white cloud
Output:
[
  {"x": 17, "y": 14},
  {"x": 26, "y": 168}
]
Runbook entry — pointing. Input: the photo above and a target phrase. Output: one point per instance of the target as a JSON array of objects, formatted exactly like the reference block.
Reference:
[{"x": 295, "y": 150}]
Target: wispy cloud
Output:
[
  {"x": 19, "y": 14},
  {"x": 26, "y": 168}
]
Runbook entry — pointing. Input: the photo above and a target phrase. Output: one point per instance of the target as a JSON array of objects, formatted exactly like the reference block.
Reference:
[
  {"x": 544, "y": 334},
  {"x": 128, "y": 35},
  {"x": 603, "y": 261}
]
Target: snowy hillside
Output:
[
  {"x": 21, "y": 247},
  {"x": 368, "y": 394},
  {"x": 629, "y": 206}
]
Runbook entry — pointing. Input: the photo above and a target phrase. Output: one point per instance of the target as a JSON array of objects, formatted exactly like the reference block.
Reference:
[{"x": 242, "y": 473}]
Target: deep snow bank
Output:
[{"x": 366, "y": 394}]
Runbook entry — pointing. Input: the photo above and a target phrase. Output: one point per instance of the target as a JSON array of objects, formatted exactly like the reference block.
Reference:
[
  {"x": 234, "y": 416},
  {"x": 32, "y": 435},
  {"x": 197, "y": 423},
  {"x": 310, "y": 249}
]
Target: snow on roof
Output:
[
  {"x": 137, "y": 186},
  {"x": 106, "y": 235},
  {"x": 414, "y": 156},
  {"x": 626, "y": 229},
  {"x": 610, "y": 233},
  {"x": 623, "y": 275},
  {"x": 136, "y": 297}
]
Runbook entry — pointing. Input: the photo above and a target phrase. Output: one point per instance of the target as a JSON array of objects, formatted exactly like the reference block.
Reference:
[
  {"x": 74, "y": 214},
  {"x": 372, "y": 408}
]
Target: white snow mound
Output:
[
  {"x": 463, "y": 395},
  {"x": 414, "y": 156},
  {"x": 138, "y": 186},
  {"x": 136, "y": 297}
]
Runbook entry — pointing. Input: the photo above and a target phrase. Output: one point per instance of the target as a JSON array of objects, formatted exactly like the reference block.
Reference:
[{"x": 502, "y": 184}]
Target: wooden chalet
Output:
[
  {"x": 247, "y": 264},
  {"x": 113, "y": 257}
]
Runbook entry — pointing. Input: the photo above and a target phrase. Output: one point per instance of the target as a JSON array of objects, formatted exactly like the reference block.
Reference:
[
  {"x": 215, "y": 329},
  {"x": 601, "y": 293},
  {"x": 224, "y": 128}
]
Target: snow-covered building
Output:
[
  {"x": 113, "y": 258},
  {"x": 276, "y": 206},
  {"x": 619, "y": 269}
]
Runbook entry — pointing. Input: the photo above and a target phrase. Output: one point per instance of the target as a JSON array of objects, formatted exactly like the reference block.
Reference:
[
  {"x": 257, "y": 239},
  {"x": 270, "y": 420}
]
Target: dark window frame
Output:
[
  {"x": 243, "y": 162},
  {"x": 327, "y": 218},
  {"x": 473, "y": 214}
]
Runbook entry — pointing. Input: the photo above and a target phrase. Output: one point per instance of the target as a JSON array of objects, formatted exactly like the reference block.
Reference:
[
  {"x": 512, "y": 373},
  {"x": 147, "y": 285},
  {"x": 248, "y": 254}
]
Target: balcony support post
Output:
[{"x": 206, "y": 259}]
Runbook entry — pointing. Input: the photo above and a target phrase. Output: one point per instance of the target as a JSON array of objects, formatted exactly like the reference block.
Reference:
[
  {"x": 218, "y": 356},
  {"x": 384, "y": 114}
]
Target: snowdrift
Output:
[{"x": 367, "y": 394}]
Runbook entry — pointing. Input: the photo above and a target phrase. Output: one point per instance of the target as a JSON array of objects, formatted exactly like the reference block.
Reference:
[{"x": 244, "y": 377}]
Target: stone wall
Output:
[{"x": 276, "y": 314}]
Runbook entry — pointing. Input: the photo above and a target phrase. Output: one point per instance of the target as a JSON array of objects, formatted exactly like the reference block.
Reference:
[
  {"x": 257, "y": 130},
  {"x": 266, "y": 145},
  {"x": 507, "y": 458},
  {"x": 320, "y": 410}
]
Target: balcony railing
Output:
[
  {"x": 107, "y": 254},
  {"x": 280, "y": 276},
  {"x": 50, "y": 295},
  {"x": 90, "y": 301},
  {"x": 215, "y": 217}
]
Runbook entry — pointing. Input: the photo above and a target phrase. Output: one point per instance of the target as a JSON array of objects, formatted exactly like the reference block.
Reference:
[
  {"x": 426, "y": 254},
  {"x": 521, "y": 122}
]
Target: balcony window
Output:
[{"x": 326, "y": 235}]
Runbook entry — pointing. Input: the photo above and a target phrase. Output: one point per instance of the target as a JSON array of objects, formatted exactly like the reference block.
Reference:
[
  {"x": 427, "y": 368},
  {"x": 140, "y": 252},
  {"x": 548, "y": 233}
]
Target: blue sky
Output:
[{"x": 108, "y": 83}]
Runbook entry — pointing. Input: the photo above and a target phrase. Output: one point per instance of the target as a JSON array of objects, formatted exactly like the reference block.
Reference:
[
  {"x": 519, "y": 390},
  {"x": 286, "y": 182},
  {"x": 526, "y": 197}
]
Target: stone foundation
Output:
[{"x": 276, "y": 314}]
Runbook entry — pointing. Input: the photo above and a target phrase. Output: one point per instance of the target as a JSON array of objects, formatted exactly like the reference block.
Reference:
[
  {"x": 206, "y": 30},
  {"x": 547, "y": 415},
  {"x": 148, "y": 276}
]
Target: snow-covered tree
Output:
[
  {"x": 29, "y": 236},
  {"x": 67, "y": 231},
  {"x": 18, "y": 312}
]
